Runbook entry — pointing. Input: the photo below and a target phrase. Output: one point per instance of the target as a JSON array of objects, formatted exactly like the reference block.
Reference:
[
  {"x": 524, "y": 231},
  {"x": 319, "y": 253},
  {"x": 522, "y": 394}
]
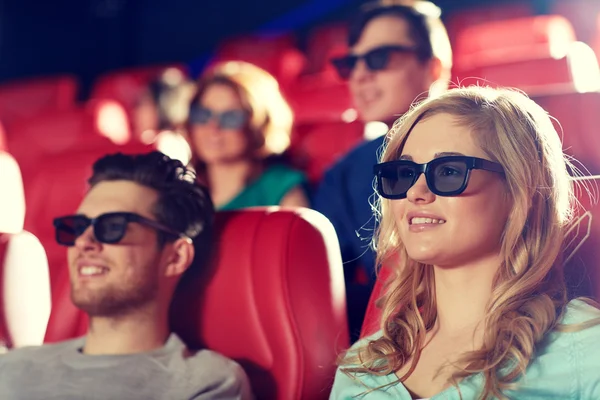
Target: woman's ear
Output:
[{"x": 180, "y": 257}]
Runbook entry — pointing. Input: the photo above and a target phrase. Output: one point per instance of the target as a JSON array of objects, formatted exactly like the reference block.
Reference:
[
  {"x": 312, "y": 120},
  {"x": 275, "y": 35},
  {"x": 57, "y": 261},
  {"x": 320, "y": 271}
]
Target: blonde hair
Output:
[
  {"x": 271, "y": 117},
  {"x": 528, "y": 293}
]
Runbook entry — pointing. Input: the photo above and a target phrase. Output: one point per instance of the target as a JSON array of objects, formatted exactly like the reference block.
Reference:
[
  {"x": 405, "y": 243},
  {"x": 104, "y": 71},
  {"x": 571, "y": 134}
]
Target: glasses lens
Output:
[
  {"x": 110, "y": 228},
  {"x": 344, "y": 65},
  {"x": 70, "y": 228},
  {"x": 378, "y": 59},
  {"x": 200, "y": 115},
  {"x": 448, "y": 176},
  {"x": 232, "y": 119},
  {"x": 397, "y": 179}
]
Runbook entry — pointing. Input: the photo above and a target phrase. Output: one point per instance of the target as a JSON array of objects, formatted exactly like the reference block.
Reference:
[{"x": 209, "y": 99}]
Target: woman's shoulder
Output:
[
  {"x": 580, "y": 311},
  {"x": 569, "y": 357},
  {"x": 350, "y": 384}
]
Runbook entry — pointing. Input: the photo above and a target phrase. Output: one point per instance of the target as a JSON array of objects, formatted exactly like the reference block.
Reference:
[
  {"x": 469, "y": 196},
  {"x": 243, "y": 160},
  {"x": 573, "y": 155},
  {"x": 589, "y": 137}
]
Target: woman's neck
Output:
[
  {"x": 227, "y": 180},
  {"x": 463, "y": 293}
]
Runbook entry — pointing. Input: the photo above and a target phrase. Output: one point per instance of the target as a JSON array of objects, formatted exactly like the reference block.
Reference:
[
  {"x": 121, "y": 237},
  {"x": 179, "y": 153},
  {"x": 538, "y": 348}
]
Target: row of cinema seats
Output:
[{"x": 55, "y": 141}]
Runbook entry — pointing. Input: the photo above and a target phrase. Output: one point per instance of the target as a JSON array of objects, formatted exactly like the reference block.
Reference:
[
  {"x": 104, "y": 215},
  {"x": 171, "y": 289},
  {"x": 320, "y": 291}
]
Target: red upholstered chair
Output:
[
  {"x": 538, "y": 55},
  {"x": 326, "y": 125},
  {"x": 26, "y": 98},
  {"x": 577, "y": 120},
  {"x": 24, "y": 281},
  {"x": 97, "y": 123},
  {"x": 126, "y": 85},
  {"x": 273, "y": 299},
  {"x": 320, "y": 44},
  {"x": 276, "y": 54},
  {"x": 462, "y": 18}
]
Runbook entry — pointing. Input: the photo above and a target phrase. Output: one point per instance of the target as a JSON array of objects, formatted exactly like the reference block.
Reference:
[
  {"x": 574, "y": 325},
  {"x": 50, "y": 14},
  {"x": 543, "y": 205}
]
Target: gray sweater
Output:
[{"x": 61, "y": 372}]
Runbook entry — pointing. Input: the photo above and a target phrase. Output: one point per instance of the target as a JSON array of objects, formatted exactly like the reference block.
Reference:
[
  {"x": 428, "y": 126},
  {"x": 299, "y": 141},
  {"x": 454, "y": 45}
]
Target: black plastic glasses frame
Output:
[
  {"x": 230, "y": 119},
  {"x": 389, "y": 170},
  {"x": 73, "y": 226},
  {"x": 376, "y": 59}
]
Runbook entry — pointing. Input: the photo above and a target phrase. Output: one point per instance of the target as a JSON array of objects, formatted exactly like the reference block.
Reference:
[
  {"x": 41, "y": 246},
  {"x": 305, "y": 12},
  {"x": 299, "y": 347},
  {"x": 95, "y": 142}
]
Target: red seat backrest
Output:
[
  {"x": 57, "y": 132},
  {"x": 317, "y": 146},
  {"x": 320, "y": 44},
  {"x": 277, "y": 55},
  {"x": 462, "y": 18},
  {"x": 126, "y": 85},
  {"x": 26, "y": 98},
  {"x": 538, "y": 55},
  {"x": 577, "y": 120},
  {"x": 278, "y": 273}
]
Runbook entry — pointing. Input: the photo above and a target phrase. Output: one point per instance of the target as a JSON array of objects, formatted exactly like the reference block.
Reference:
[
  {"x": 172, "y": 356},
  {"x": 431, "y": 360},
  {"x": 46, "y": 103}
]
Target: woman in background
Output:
[
  {"x": 475, "y": 199},
  {"x": 238, "y": 124}
]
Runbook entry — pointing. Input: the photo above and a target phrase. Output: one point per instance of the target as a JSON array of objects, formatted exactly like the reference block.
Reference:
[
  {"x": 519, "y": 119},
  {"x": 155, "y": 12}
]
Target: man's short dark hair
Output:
[
  {"x": 183, "y": 204},
  {"x": 419, "y": 27}
]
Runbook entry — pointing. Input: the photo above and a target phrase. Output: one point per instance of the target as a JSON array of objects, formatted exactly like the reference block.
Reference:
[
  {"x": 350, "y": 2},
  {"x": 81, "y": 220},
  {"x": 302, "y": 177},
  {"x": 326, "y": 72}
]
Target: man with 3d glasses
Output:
[
  {"x": 399, "y": 53},
  {"x": 143, "y": 225}
]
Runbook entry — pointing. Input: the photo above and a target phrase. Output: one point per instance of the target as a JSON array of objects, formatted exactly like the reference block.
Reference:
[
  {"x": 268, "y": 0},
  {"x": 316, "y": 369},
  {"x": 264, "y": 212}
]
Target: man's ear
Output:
[
  {"x": 435, "y": 69},
  {"x": 438, "y": 77},
  {"x": 180, "y": 257}
]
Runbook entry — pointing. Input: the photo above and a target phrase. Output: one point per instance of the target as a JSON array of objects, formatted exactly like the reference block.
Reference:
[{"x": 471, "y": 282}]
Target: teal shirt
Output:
[
  {"x": 268, "y": 190},
  {"x": 565, "y": 367}
]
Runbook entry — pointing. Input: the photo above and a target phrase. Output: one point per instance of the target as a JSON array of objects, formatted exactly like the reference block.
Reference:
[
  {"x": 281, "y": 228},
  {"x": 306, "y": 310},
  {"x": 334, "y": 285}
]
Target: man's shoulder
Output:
[
  {"x": 227, "y": 377},
  {"x": 210, "y": 357},
  {"x": 364, "y": 152},
  {"x": 41, "y": 352}
]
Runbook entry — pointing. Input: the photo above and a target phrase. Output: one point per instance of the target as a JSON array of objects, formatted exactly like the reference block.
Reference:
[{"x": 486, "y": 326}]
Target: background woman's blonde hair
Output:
[
  {"x": 528, "y": 293},
  {"x": 271, "y": 117}
]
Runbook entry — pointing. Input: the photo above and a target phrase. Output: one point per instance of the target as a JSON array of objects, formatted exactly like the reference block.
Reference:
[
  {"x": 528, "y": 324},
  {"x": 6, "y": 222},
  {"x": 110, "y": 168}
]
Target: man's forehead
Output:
[
  {"x": 113, "y": 196},
  {"x": 382, "y": 30}
]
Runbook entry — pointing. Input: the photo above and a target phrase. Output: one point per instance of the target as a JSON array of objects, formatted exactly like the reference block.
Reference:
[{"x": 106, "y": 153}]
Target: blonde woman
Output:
[{"x": 474, "y": 201}]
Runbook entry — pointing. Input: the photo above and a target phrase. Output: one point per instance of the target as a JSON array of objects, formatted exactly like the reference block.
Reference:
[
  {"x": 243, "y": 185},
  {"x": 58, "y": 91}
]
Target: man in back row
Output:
[
  {"x": 399, "y": 52},
  {"x": 144, "y": 223}
]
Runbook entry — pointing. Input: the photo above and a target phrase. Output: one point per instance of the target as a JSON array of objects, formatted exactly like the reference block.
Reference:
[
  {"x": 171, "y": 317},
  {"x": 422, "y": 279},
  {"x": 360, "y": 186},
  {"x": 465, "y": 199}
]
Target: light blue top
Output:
[{"x": 565, "y": 367}]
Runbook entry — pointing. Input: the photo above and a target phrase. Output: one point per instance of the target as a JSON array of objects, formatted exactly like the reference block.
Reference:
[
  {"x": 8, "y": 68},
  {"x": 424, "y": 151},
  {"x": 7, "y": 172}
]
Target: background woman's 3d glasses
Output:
[{"x": 230, "y": 119}]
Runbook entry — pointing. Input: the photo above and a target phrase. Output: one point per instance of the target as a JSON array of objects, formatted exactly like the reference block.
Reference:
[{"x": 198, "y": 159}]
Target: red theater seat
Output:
[
  {"x": 317, "y": 146},
  {"x": 24, "y": 281},
  {"x": 93, "y": 124},
  {"x": 578, "y": 118},
  {"x": 278, "y": 55},
  {"x": 126, "y": 85},
  {"x": 326, "y": 125},
  {"x": 28, "y": 97},
  {"x": 538, "y": 55},
  {"x": 273, "y": 299},
  {"x": 581, "y": 255},
  {"x": 321, "y": 43},
  {"x": 465, "y": 18}
]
